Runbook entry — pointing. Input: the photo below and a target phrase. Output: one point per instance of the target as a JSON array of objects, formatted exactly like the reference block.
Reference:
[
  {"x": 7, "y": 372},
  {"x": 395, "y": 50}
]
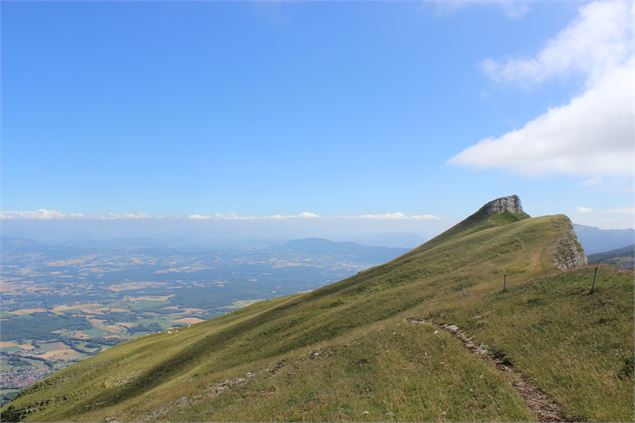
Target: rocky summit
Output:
[{"x": 510, "y": 204}]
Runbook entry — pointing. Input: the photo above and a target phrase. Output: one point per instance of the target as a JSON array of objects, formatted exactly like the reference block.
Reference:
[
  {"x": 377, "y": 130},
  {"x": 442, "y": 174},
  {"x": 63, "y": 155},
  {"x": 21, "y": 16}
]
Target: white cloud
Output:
[
  {"x": 53, "y": 214},
  {"x": 308, "y": 215},
  {"x": 584, "y": 210},
  {"x": 45, "y": 214},
  {"x": 591, "y": 135},
  {"x": 395, "y": 216},
  {"x": 311, "y": 215},
  {"x": 126, "y": 216},
  {"x": 234, "y": 216},
  {"x": 40, "y": 214},
  {"x": 609, "y": 218},
  {"x": 597, "y": 41},
  {"x": 227, "y": 216},
  {"x": 198, "y": 217}
]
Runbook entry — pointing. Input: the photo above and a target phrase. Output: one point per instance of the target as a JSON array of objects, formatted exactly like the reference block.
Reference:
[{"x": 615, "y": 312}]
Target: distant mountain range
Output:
[
  {"x": 595, "y": 240},
  {"x": 307, "y": 246},
  {"x": 9, "y": 242},
  {"x": 361, "y": 252}
]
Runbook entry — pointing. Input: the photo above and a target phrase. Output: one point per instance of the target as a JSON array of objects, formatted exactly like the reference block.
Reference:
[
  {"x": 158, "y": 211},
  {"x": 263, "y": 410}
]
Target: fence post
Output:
[
  {"x": 504, "y": 281},
  {"x": 595, "y": 275}
]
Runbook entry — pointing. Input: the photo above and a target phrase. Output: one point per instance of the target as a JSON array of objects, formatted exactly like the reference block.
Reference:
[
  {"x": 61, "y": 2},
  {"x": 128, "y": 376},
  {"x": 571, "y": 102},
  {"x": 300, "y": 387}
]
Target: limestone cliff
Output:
[
  {"x": 500, "y": 205},
  {"x": 569, "y": 253}
]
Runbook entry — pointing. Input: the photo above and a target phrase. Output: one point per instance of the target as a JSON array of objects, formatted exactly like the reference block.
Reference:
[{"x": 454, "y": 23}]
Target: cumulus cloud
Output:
[
  {"x": 308, "y": 215},
  {"x": 597, "y": 41},
  {"x": 126, "y": 216},
  {"x": 396, "y": 216},
  {"x": 609, "y": 218},
  {"x": 234, "y": 216},
  {"x": 584, "y": 210},
  {"x": 53, "y": 214},
  {"x": 592, "y": 134},
  {"x": 40, "y": 214},
  {"x": 311, "y": 215},
  {"x": 198, "y": 217},
  {"x": 45, "y": 214}
]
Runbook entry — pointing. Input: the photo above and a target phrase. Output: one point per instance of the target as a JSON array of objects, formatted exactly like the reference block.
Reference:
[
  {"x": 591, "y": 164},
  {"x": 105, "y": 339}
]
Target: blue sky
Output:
[{"x": 202, "y": 109}]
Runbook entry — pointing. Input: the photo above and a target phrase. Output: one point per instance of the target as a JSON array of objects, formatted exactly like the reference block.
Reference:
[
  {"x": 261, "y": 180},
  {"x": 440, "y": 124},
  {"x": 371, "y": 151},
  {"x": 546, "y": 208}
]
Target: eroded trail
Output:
[{"x": 545, "y": 408}]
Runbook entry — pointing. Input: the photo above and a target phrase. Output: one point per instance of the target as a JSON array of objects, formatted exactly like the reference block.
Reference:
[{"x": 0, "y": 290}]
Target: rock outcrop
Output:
[
  {"x": 569, "y": 253},
  {"x": 510, "y": 204}
]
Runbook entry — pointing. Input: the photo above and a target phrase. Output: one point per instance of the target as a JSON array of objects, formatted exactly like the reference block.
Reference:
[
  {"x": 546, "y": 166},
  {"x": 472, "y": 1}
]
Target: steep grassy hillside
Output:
[{"x": 348, "y": 352}]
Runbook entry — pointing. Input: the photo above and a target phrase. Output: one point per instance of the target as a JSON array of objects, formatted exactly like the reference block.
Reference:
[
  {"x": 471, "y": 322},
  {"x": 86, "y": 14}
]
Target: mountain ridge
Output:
[{"x": 343, "y": 352}]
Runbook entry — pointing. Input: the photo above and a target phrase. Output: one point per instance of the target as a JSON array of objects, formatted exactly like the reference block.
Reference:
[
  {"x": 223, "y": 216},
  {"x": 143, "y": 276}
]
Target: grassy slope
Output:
[
  {"x": 370, "y": 360},
  {"x": 575, "y": 345}
]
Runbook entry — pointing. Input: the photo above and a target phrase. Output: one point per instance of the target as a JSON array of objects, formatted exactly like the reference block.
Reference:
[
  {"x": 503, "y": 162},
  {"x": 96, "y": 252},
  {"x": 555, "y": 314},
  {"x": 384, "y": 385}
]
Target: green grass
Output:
[
  {"x": 8, "y": 394},
  {"x": 577, "y": 346},
  {"x": 392, "y": 370},
  {"x": 372, "y": 365}
]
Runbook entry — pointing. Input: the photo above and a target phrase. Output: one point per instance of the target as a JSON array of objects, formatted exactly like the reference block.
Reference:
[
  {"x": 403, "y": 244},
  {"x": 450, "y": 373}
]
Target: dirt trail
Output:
[{"x": 545, "y": 408}]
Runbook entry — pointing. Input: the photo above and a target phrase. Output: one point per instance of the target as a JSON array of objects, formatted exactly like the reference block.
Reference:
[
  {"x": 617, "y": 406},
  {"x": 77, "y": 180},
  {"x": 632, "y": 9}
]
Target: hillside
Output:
[{"x": 427, "y": 336}]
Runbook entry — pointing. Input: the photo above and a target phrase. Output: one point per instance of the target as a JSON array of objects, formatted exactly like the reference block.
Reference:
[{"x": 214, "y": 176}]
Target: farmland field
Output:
[{"x": 63, "y": 303}]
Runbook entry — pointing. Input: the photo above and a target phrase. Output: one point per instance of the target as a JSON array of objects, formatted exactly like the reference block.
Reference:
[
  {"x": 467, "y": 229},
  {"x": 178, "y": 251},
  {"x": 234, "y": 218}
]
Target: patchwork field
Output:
[{"x": 63, "y": 304}]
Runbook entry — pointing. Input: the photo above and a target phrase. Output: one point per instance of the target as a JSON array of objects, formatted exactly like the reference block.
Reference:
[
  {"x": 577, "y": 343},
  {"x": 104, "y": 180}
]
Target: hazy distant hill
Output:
[
  {"x": 8, "y": 242},
  {"x": 596, "y": 240},
  {"x": 429, "y": 336},
  {"x": 394, "y": 239},
  {"x": 372, "y": 254},
  {"x": 623, "y": 257}
]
